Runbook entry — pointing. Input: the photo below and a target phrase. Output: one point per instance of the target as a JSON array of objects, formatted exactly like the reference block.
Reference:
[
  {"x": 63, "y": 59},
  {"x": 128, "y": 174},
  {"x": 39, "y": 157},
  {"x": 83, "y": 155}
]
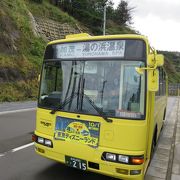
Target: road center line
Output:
[
  {"x": 22, "y": 147},
  {"x": 16, "y": 111}
]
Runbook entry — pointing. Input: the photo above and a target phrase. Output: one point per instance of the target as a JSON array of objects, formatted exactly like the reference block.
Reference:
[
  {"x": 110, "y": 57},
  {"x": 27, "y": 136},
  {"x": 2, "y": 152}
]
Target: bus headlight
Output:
[
  {"x": 110, "y": 157},
  {"x": 42, "y": 141},
  {"x": 48, "y": 143},
  {"x": 123, "y": 159}
]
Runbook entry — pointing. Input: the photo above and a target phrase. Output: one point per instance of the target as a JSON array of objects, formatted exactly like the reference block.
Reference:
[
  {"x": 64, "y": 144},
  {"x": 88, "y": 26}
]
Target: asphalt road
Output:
[
  {"x": 11, "y": 106},
  {"x": 16, "y": 129},
  {"x": 22, "y": 163}
]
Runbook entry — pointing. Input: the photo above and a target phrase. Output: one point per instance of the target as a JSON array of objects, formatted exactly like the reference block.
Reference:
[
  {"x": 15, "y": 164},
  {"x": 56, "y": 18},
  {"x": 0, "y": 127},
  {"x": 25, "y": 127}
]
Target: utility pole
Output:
[{"x": 104, "y": 20}]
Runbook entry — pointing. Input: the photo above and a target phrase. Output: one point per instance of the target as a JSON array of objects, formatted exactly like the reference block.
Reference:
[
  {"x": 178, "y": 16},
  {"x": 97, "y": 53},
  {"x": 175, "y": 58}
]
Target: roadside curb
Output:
[{"x": 175, "y": 175}]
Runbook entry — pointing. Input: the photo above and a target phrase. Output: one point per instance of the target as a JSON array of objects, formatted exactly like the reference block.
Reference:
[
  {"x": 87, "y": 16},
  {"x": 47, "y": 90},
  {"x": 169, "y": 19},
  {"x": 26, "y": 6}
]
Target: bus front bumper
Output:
[{"x": 117, "y": 170}]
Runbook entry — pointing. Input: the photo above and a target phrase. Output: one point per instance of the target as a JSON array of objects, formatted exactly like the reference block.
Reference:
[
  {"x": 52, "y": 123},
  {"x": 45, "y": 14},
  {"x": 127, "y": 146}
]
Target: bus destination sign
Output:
[{"x": 95, "y": 49}]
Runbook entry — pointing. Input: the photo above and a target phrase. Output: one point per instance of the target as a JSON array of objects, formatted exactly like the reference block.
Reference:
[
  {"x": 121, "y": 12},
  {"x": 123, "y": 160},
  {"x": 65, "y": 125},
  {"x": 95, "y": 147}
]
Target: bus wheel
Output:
[
  {"x": 153, "y": 146},
  {"x": 152, "y": 149},
  {"x": 164, "y": 116}
]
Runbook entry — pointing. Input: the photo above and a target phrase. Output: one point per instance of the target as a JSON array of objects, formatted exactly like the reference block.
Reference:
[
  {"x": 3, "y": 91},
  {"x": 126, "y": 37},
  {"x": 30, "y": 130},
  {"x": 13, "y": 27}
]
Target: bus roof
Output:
[{"x": 87, "y": 37}]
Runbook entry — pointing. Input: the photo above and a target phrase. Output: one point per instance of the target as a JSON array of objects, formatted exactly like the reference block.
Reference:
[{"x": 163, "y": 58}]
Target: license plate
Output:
[{"x": 76, "y": 163}]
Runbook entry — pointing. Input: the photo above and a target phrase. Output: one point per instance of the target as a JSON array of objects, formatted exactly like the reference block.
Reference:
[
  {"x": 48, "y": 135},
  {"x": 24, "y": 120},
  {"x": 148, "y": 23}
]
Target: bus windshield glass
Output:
[{"x": 113, "y": 86}]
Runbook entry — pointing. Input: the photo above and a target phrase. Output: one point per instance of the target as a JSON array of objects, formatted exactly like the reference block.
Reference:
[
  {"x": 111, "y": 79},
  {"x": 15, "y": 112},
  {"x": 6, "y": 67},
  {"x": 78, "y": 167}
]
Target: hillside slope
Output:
[
  {"x": 20, "y": 52},
  {"x": 21, "y": 48}
]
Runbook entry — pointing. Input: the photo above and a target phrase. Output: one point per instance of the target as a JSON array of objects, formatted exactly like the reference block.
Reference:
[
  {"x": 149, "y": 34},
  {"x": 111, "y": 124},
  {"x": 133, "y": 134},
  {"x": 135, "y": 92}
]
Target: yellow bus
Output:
[{"x": 97, "y": 104}]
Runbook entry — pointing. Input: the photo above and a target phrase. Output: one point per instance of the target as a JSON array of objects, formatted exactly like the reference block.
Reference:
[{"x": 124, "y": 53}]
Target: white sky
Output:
[{"x": 159, "y": 20}]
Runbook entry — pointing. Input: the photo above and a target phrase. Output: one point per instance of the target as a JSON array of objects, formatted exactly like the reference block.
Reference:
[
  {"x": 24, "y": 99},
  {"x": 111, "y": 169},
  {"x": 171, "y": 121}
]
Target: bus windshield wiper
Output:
[
  {"x": 98, "y": 110},
  {"x": 81, "y": 95},
  {"x": 66, "y": 101}
]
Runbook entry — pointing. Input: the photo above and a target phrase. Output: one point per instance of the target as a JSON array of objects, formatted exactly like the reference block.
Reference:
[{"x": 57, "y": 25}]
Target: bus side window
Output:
[
  {"x": 162, "y": 83},
  {"x": 159, "y": 92}
]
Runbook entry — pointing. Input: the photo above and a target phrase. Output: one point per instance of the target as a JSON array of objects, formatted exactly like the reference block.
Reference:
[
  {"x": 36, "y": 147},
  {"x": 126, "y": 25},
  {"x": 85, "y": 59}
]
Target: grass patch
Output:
[
  {"x": 26, "y": 60},
  {"x": 19, "y": 91},
  {"x": 47, "y": 10}
]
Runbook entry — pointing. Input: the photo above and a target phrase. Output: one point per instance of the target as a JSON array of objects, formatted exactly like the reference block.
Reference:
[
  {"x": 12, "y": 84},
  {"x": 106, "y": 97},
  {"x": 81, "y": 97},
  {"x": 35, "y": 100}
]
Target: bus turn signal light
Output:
[
  {"x": 137, "y": 160},
  {"x": 34, "y": 138}
]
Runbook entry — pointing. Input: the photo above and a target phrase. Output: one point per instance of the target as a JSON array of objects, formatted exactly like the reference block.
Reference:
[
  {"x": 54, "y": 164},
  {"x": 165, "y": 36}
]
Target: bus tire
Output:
[
  {"x": 153, "y": 145},
  {"x": 164, "y": 116}
]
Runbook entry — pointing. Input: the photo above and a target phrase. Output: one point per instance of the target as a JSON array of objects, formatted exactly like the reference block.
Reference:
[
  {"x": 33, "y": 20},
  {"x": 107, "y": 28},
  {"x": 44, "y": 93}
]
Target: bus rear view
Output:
[{"x": 92, "y": 109}]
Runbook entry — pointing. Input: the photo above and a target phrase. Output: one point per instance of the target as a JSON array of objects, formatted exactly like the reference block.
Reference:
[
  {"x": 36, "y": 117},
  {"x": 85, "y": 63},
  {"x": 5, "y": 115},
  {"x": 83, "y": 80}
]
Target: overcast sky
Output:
[{"x": 159, "y": 20}]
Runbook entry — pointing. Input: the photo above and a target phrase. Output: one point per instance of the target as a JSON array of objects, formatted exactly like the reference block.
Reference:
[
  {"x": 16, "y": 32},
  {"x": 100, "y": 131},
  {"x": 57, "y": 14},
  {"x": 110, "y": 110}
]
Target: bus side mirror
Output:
[
  {"x": 159, "y": 60},
  {"x": 155, "y": 59},
  {"x": 153, "y": 80}
]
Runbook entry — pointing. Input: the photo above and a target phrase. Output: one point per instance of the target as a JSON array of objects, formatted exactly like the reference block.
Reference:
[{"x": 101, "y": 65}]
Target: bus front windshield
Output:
[{"x": 114, "y": 87}]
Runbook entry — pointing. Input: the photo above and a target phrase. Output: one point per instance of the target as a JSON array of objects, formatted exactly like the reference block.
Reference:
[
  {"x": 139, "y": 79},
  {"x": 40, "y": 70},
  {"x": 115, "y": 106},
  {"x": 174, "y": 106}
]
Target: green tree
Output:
[
  {"x": 110, "y": 10},
  {"x": 86, "y": 11},
  {"x": 89, "y": 12},
  {"x": 123, "y": 13}
]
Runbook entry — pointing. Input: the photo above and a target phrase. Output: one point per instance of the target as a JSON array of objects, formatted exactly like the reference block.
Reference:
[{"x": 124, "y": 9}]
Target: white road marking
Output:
[
  {"x": 22, "y": 147},
  {"x": 16, "y": 149},
  {"x": 16, "y": 111},
  {"x": 3, "y": 154}
]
